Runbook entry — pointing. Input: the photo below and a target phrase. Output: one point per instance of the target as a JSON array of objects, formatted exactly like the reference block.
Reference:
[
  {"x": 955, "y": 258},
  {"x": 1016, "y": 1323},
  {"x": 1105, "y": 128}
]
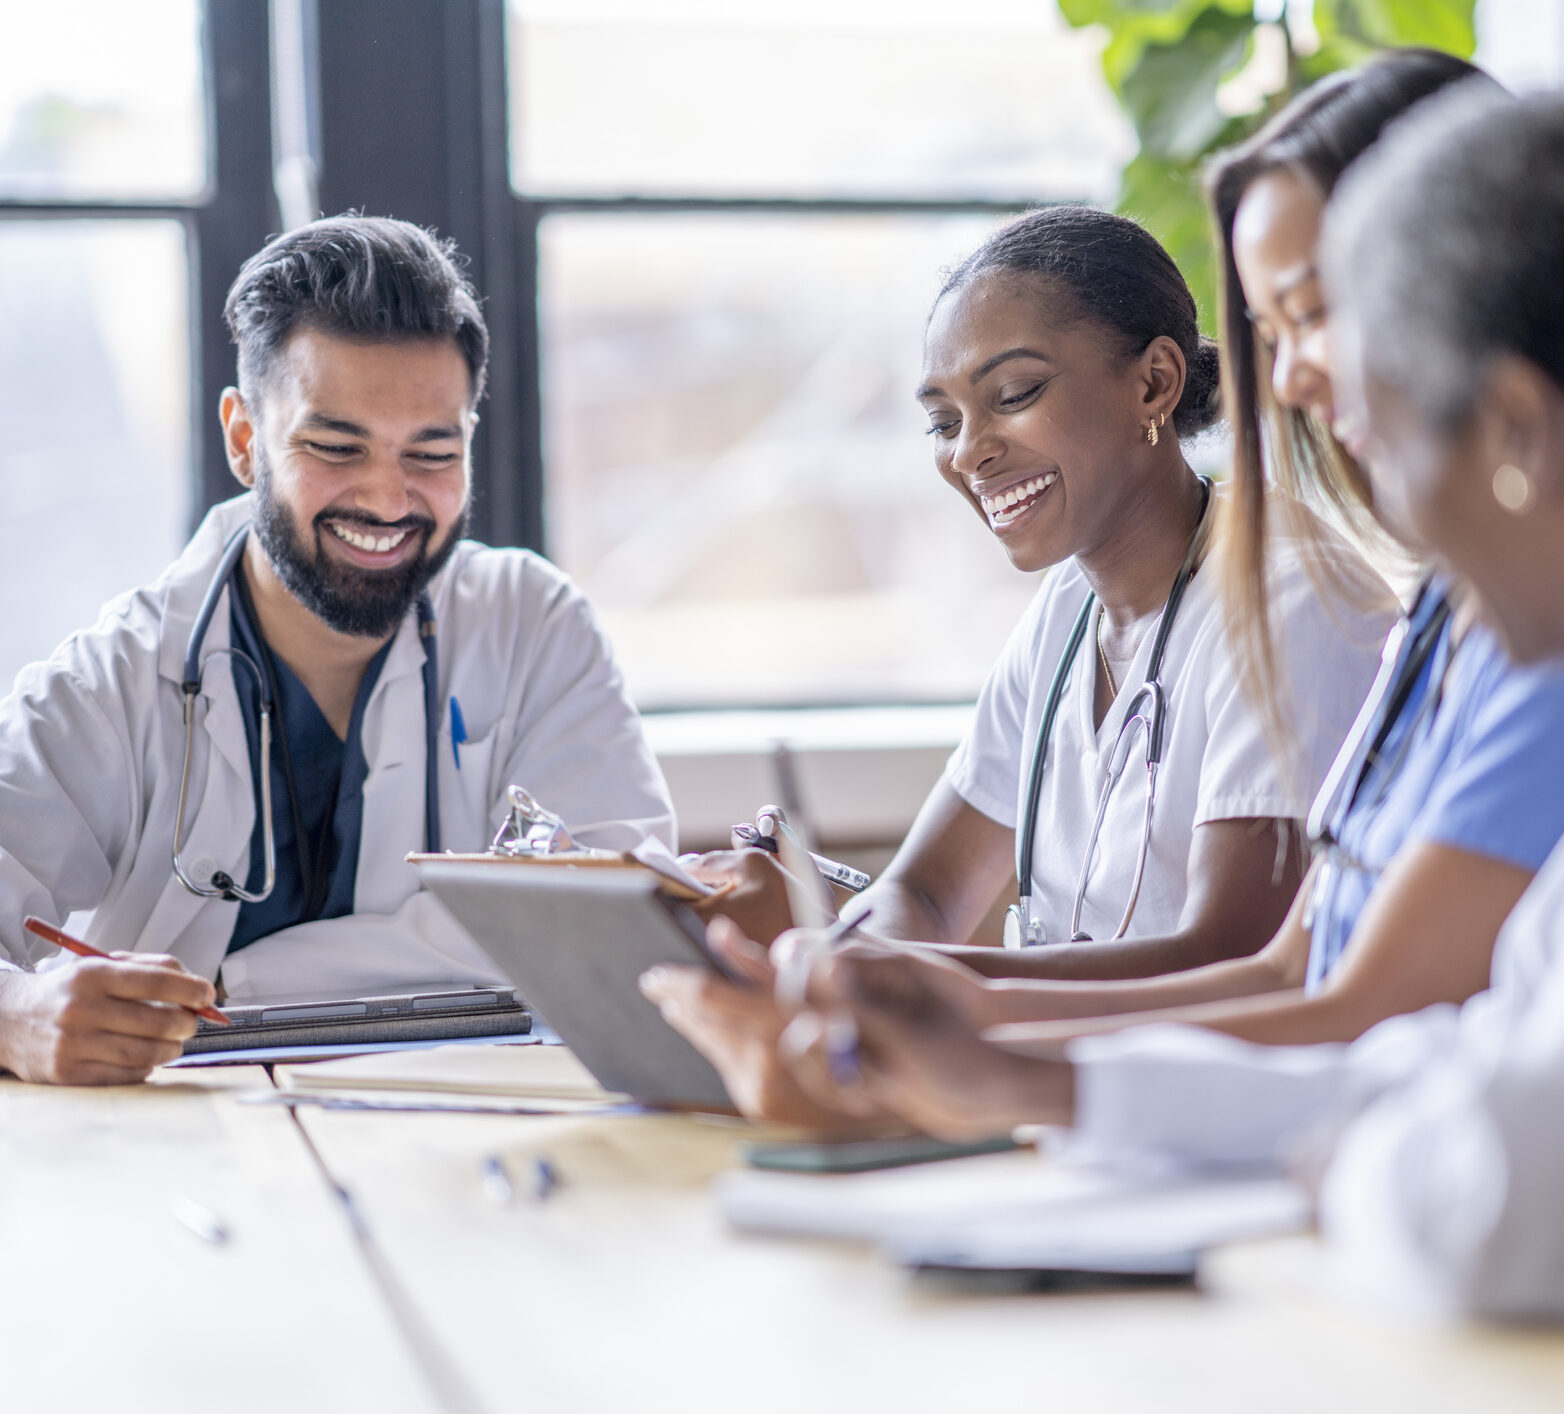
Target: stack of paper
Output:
[
  {"x": 1012, "y": 1212},
  {"x": 519, "y": 1072}
]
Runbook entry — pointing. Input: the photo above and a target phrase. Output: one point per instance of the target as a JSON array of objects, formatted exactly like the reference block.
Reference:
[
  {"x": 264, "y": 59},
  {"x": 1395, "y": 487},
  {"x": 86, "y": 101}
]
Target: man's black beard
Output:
[{"x": 361, "y": 602}]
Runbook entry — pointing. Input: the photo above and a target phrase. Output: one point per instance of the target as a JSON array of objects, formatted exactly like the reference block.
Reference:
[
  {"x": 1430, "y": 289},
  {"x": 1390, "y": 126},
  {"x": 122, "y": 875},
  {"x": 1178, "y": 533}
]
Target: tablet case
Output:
[
  {"x": 575, "y": 941},
  {"x": 368, "y": 1030}
]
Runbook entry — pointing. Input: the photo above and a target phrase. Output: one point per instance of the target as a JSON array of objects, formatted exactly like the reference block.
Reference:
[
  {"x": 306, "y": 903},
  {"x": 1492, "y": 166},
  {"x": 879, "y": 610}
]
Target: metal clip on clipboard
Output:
[
  {"x": 532, "y": 834},
  {"x": 531, "y": 828}
]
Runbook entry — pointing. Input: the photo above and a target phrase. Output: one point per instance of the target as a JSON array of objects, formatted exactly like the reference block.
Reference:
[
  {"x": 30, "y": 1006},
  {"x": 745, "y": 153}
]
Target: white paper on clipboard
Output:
[{"x": 651, "y": 855}]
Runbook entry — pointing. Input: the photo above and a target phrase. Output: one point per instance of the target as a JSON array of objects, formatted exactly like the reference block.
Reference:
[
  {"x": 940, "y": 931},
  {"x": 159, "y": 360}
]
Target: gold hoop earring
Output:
[
  {"x": 1152, "y": 434},
  {"x": 1513, "y": 490}
]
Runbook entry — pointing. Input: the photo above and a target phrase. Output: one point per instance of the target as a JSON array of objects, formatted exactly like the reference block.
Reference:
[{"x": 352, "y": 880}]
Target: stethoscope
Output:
[
  {"x": 1405, "y": 656},
  {"x": 1147, "y": 713},
  {"x": 222, "y": 884}
]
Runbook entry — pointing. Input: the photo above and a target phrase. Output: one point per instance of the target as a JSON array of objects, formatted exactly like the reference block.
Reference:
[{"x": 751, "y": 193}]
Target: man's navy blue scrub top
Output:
[{"x": 328, "y": 776}]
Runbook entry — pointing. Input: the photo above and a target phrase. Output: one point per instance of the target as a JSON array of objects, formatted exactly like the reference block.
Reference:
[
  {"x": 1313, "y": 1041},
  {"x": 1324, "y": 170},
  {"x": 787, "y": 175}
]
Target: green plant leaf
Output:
[
  {"x": 1114, "y": 12},
  {"x": 1170, "y": 94},
  {"x": 1132, "y": 31},
  {"x": 1438, "y": 24},
  {"x": 1165, "y": 58},
  {"x": 1165, "y": 198}
]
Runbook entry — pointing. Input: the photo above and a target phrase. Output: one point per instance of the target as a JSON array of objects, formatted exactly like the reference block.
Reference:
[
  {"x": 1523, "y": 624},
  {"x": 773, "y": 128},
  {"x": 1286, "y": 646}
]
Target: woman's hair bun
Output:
[
  {"x": 1200, "y": 406},
  {"x": 1112, "y": 272}
]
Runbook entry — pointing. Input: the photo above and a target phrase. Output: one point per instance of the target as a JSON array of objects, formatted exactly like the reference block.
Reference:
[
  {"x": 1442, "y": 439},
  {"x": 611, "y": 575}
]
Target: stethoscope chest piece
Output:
[{"x": 1022, "y": 931}]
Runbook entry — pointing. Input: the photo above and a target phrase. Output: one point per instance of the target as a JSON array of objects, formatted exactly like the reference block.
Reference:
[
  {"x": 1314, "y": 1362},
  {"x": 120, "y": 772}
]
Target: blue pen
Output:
[{"x": 458, "y": 732}]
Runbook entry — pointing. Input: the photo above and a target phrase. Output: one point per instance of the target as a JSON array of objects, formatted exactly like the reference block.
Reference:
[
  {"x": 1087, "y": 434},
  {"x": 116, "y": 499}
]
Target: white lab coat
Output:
[
  {"x": 1447, "y": 1193},
  {"x": 91, "y": 743},
  {"x": 1445, "y": 1129}
]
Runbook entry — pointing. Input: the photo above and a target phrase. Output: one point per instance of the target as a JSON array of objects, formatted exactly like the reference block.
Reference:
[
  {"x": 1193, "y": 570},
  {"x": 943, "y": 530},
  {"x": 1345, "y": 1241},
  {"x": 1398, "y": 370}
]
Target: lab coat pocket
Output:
[{"x": 470, "y": 802}]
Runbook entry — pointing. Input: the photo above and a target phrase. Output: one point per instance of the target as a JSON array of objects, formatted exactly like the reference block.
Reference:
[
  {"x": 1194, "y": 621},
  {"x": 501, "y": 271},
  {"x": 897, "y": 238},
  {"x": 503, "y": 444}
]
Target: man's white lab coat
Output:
[{"x": 91, "y": 743}]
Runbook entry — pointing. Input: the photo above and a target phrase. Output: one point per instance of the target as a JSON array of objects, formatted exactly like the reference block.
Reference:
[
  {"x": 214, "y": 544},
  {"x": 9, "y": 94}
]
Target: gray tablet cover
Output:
[{"x": 574, "y": 942}]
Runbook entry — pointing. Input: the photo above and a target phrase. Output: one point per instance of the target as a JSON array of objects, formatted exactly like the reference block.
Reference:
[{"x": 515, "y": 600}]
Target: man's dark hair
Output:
[
  {"x": 357, "y": 277},
  {"x": 1113, "y": 273}
]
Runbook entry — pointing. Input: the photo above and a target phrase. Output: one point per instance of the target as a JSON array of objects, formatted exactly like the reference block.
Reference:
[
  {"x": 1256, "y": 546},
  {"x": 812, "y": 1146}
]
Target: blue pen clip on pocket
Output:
[{"x": 458, "y": 732}]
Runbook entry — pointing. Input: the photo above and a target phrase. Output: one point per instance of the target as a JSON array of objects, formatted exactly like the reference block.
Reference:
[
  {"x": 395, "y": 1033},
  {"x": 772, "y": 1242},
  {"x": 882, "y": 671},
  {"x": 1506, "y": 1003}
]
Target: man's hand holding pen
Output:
[{"x": 101, "y": 1021}]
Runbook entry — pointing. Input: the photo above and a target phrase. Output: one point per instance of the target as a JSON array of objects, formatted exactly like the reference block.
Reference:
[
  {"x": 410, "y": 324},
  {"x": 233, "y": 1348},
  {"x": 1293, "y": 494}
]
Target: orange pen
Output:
[{"x": 50, "y": 934}]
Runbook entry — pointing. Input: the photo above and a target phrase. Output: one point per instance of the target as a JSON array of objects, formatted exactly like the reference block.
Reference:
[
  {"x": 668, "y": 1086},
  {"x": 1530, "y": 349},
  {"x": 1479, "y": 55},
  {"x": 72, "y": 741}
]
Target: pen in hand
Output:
[
  {"x": 50, "y": 934},
  {"x": 840, "y": 1031},
  {"x": 845, "y": 927},
  {"x": 854, "y": 880}
]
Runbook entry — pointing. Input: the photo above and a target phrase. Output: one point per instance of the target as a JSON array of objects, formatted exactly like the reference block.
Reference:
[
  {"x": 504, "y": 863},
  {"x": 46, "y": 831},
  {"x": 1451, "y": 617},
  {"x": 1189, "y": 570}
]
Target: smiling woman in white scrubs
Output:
[
  {"x": 1062, "y": 365},
  {"x": 1061, "y": 368}
]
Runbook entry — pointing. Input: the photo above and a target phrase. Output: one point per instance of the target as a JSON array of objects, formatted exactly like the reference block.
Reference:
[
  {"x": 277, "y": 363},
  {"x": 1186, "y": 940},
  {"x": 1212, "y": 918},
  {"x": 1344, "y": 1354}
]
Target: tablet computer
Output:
[
  {"x": 420, "y": 1011},
  {"x": 575, "y": 942}
]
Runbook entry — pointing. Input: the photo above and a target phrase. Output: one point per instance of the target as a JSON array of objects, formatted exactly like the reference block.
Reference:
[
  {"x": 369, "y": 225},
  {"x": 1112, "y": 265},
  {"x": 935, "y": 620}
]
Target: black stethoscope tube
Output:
[
  {"x": 225, "y": 887},
  {"x": 1034, "y": 792},
  {"x": 1325, "y": 831},
  {"x": 1155, "y": 725}
]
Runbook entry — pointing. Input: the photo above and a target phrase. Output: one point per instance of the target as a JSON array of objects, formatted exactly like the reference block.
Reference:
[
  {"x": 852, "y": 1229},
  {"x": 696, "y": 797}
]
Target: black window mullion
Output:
[
  {"x": 508, "y": 502},
  {"x": 525, "y": 379},
  {"x": 779, "y": 205},
  {"x": 235, "y": 220}
]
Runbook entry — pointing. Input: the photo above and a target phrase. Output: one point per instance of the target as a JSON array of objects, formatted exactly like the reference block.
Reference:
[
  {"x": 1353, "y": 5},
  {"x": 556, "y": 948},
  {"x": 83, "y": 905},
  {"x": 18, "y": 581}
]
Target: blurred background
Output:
[{"x": 707, "y": 233}]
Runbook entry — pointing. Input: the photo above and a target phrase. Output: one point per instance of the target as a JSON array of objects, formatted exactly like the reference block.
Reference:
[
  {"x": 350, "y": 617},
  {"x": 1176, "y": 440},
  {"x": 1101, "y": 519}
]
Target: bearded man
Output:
[{"x": 407, "y": 676}]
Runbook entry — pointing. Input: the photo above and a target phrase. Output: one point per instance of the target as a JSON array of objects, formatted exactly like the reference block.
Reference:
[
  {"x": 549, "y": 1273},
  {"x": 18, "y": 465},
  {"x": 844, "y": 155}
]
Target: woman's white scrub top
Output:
[{"x": 1217, "y": 762}]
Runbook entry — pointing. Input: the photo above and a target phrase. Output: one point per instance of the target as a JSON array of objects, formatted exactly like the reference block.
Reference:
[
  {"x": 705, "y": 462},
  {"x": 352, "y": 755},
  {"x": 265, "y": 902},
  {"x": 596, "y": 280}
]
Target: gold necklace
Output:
[
  {"x": 1102, "y": 611},
  {"x": 1102, "y": 653}
]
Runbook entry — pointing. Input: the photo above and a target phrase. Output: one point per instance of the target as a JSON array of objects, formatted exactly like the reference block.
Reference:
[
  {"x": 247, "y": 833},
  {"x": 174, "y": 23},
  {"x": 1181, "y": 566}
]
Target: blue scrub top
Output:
[
  {"x": 329, "y": 776},
  {"x": 1483, "y": 772}
]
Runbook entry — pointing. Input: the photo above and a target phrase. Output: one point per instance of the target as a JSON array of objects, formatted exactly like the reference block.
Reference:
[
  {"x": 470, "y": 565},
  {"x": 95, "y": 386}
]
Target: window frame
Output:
[
  {"x": 225, "y": 222},
  {"x": 375, "y": 64},
  {"x": 532, "y": 208},
  {"x": 462, "y": 93}
]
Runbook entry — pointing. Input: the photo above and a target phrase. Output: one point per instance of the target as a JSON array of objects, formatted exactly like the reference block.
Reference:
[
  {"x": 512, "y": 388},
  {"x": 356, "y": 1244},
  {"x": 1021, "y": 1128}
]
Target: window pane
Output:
[
  {"x": 736, "y": 468},
  {"x": 94, "y": 397},
  {"x": 102, "y": 99},
  {"x": 992, "y": 98}
]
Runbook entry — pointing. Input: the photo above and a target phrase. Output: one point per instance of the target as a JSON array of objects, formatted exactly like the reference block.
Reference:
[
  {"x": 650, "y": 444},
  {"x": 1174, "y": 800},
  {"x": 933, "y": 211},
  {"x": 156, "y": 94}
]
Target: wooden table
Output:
[
  {"x": 622, "y": 1291},
  {"x": 113, "y": 1302}
]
